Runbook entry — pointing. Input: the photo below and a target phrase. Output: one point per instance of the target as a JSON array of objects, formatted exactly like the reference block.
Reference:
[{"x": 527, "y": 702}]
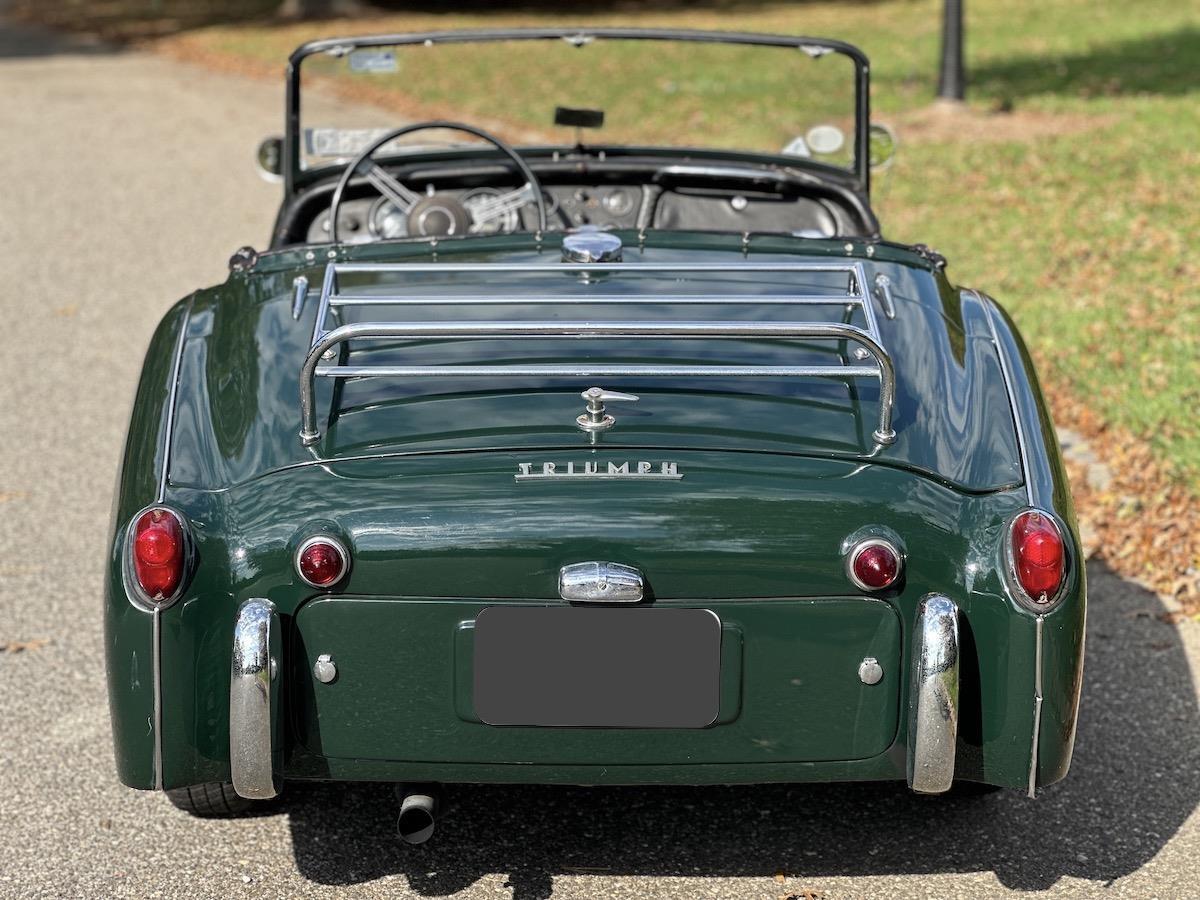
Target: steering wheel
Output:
[{"x": 436, "y": 214}]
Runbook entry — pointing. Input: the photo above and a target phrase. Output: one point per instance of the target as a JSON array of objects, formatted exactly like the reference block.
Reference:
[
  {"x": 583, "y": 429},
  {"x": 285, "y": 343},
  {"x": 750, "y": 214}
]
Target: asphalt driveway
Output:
[{"x": 125, "y": 182}]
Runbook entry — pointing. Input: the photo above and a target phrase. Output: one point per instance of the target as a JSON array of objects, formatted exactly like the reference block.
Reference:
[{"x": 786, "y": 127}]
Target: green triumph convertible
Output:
[{"x": 585, "y": 439}]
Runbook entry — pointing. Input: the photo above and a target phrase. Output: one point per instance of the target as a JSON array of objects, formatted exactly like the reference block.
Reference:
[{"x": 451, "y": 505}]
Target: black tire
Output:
[
  {"x": 216, "y": 800},
  {"x": 967, "y": 789}
]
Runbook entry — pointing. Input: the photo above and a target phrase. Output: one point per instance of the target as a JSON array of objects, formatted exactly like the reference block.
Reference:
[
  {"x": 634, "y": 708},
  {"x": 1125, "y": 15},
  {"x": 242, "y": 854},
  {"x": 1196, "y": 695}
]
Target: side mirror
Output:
[
  {"x": 270, "y": 159},
  {"x": 883, "y": 143}
]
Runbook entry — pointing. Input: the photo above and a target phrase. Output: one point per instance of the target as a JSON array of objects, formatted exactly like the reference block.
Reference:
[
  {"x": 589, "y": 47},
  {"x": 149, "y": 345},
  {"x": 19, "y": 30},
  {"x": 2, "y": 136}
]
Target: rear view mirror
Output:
[
  {"x": 270, "y": 159},
  {"x": 883, "y": 146}
]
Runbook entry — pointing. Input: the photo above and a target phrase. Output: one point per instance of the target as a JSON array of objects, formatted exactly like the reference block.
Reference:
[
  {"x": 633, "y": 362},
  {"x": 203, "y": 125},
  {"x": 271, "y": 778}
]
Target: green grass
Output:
[{"x": 1080, "y": 212}]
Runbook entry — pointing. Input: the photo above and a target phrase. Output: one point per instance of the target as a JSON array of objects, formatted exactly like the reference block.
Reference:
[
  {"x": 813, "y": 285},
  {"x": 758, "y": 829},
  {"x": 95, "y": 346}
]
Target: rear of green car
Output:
[{"x": 752, "y": 650}]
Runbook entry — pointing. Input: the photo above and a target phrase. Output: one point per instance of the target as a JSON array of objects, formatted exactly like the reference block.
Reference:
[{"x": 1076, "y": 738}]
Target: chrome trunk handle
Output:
[{"x": 600, "y": 582}]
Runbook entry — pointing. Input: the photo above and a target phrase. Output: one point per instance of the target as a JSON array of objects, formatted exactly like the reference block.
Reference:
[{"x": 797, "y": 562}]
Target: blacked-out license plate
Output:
[{"x": 602, "y": 668}]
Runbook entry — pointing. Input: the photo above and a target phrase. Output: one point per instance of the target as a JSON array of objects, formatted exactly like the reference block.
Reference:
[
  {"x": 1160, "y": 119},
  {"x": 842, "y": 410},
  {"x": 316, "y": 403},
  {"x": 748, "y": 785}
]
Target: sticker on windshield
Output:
[
  {"x": 378, "y": 61},
  {"x": 340, "y": 143},
  {"x": 825, "y": 139}
]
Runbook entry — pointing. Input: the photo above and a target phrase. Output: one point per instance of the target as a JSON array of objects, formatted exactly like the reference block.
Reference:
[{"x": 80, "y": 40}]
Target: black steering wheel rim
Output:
[{"x": 354, "y": 164}]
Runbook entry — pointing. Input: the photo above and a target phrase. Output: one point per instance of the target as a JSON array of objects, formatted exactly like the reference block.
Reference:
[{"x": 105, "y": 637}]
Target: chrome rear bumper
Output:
[
  {"x": 252, "y": 700},
  {"x": 933, "y": 709}
]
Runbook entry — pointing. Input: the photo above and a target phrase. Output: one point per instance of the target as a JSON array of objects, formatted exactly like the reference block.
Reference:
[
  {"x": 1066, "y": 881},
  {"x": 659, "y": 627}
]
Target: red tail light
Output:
[
  {"x": 321, "y": 561},
  {"x": 158, "y": 553},
  {"x": 1038, "y": 555},
  {"x": 874, "y": 565}
]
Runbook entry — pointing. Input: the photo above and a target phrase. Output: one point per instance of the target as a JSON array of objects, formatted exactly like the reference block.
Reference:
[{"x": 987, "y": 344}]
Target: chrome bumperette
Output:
[
  {"x": 252, "y": 714},
  {"x": 933, "y": 706},
  {"x": 600, "y": 582}
]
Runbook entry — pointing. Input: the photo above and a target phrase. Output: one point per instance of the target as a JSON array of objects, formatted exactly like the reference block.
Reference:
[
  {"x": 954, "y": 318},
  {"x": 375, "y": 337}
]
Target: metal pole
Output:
[{"x": 952, "y": 77}]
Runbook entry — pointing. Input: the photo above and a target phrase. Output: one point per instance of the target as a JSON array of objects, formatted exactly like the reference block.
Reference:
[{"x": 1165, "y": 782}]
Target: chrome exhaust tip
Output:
[{"x": 418, "y": 812}]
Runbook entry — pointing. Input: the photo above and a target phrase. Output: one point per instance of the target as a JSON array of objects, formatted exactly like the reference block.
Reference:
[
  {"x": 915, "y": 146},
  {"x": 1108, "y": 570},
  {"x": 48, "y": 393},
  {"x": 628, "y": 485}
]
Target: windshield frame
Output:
[{"x": 293, "y": 173}]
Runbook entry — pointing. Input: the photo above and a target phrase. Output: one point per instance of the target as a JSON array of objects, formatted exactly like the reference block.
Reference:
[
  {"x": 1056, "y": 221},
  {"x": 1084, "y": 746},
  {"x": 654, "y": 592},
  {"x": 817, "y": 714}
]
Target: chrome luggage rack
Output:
[{"x": 872, "y": 359}]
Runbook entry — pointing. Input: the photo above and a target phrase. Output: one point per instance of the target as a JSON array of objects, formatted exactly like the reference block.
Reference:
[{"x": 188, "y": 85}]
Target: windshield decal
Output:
[{"x": 380, "y": 61}]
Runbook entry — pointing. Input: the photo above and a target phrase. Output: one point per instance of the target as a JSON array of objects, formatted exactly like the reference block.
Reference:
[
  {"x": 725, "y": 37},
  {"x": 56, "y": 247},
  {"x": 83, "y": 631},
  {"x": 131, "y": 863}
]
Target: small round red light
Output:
[
  {"x": 158, "y": 553},
  {"x": 1038, "y": 555},
  {"x": 321, "y": 563},
  {"x": 875, "y": 566}
]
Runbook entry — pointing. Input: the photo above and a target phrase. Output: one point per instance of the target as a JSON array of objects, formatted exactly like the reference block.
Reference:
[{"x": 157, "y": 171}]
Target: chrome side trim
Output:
[
  {"x": 1037, "y": 709},
  {"x": 1037, "y": 502},
  {"x": 933, "y": 705},
  {"x": 1022, "y": 444},
  {"x": 156, "y": 681},
  {"x": 156, "y": 662},
  {"x": 251, "y": 748},
  {"x": 600, "y": 582},
  {"x": 171, "y": 397}
]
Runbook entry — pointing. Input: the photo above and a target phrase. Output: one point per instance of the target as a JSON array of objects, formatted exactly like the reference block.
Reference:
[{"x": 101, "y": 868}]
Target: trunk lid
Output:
[{"x": 238, "y": 411}]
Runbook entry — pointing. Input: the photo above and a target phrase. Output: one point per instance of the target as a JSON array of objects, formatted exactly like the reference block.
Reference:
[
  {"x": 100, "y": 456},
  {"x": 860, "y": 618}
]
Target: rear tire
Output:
[
  {"x": 215, "y": 800},
  {"x": 968, "y": 789}
]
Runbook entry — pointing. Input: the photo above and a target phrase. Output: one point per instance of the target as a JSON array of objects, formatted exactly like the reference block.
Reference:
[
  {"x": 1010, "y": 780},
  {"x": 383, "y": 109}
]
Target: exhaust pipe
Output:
[{"x": 418, "y": 812}]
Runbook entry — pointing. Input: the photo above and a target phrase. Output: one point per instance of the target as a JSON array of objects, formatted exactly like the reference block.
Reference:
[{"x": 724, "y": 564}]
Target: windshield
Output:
[{"x": 783, "y": 97}]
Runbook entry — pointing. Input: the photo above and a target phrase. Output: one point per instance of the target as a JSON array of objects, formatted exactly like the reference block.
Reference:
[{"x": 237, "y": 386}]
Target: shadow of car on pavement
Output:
[{"x": 1134, "y": 780}]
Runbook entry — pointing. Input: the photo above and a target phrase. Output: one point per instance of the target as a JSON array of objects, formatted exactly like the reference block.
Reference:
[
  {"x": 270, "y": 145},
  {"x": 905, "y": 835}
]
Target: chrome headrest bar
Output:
[{"x": 855, "y": 295}]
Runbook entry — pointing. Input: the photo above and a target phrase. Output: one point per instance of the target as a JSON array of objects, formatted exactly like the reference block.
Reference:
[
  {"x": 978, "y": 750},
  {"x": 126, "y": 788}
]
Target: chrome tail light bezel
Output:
[
  {"x": 133, "y": 588},
  {"x": 866, "y": 538},
  {"x": 1012, "y": 578},
  {"x": 338, "y": 545}
]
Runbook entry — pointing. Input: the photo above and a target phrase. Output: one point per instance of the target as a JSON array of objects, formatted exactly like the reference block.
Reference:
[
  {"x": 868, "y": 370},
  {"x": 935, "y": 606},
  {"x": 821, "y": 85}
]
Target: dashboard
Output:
[{"x": 501, "y": 210}]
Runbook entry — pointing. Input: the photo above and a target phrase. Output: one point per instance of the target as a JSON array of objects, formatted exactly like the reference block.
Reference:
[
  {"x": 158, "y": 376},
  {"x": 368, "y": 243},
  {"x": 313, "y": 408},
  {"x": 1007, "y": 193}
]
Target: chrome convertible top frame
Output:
[{"x": 330, "y": 341}]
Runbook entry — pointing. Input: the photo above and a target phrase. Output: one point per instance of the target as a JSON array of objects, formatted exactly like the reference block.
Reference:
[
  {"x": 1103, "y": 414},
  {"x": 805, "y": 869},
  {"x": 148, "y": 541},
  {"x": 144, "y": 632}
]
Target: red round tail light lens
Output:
[
  {"x": 321, "y": 562},
  {"x": 874, "y": 565},
  {"x": 158, "y": 553},
  {"x": 1038, "y": 555}
]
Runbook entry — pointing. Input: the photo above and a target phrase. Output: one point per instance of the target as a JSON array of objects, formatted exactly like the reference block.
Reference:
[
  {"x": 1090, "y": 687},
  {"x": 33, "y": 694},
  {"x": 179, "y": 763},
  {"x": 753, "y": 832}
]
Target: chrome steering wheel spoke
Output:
[
  {"x": 484, "y": 211},
  {"x": 404, "y": 198}
]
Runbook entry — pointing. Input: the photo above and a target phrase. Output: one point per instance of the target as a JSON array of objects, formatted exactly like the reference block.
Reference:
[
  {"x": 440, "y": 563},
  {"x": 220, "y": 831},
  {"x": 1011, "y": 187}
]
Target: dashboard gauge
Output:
[
  {"x": 477, "y": 202},
  {"x": 618, "y": 202},
  {"x": 387, "y": 220}
]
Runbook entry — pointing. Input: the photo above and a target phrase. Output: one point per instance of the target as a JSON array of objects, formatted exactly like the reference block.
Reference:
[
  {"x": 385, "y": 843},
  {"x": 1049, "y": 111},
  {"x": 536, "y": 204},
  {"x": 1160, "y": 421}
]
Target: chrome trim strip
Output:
[
  {"x": 591, "y": 300},
  {"x": 1022, "y": 445},
  {"x": 251, "y": 748},
  {"x": 165, "y": 454},
  {"x": 156, "y": 681},
  {"x": 1037, "y": 709},
  {"x": 933, "y": 706},
  {"x": 583, "y": 370},
  {"x": 600, "y": 582},
  {"x": 1040, "y": 504},
  {"x": 171, "y": 396}
]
